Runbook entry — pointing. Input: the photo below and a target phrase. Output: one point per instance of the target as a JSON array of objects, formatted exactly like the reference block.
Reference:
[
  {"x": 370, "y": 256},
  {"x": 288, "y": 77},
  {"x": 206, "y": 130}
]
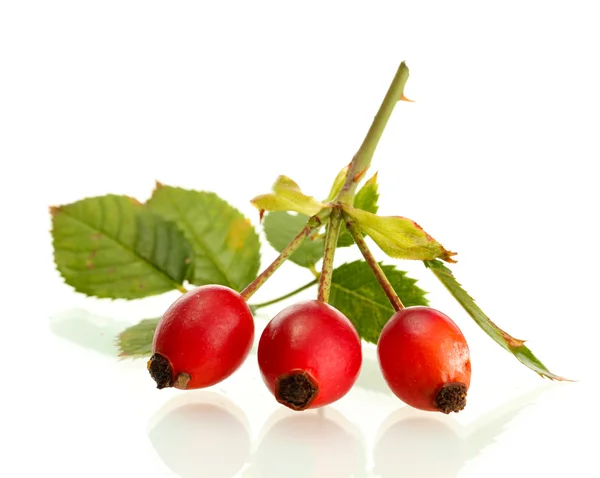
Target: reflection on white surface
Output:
[
  {"x": 88, "y": 330},
  {"x": 201, "y": 434},
  {"x": 411, "y": 444},
  {"x": 312, "y": 444},
  {"x": 418, "y": 447},
  {"x": 370, "y": 377}
]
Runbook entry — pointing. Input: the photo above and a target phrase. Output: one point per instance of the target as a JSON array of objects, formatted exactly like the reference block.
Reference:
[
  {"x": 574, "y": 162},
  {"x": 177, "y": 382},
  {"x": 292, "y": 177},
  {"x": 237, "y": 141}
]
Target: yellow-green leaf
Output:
[
  {"x": 336, "y": 187},
  {"x": 366, "y": 198},
  {"x": 287, "y": 196},
  {"x": 398, "y": 236}
]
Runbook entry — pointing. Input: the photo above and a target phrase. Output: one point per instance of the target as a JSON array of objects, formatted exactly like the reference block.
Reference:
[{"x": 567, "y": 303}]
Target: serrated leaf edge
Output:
[
  {"x": 55, "y": 210},
  {"x": 515, "y": 346}
]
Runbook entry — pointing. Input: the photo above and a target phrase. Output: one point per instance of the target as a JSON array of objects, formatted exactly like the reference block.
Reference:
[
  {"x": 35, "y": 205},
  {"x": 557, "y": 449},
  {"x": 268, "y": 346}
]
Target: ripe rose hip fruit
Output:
[
  {"x": 309, "y": 355},
  {"x": 425, "y": 360},
  {"x": 202, "y": 338}
]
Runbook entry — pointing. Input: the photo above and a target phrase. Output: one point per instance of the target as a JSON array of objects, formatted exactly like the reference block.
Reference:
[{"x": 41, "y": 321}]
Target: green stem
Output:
[
  {"x": 331, "y": 239},
  {"x": 313, "y": 223},
  {"x": 373, "y": 264},
  {"x": 286, "y": 296},
  {"x": 362, "y": 159},
  {"x": 314, "y": 271}
]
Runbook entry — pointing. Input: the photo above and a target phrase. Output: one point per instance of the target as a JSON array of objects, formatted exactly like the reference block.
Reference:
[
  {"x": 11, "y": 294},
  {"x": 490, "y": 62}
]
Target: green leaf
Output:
[
  {"x": 287, "y": 196},
  {"x": 225, "y": 244},
  {"x": 136, "y": 341},
  {"x": 111, "y": 247},
  {"x": 366, "y": 199},
  {"x": 357, "y": 294},
  {"x": 367, "y": 196},
  {"x": 281, "y": 227},
  {"x": 399, "y": 237},
  {"x": 506, "y": 341}
]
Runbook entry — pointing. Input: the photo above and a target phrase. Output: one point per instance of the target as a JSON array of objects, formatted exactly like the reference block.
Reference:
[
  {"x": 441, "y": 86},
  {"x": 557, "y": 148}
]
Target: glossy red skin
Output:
[
  {"x": 206, "y": 333},
  {"x": 419, "y": 350},
  {"x": 314, "y": 337}
]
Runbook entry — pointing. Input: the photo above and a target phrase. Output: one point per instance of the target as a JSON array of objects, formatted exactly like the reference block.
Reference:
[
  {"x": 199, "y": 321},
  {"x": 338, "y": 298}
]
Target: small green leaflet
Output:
[
  {"x": 367, "y": 196},
  {"x": 281, "y": 227},
  {"x": 398, "y": 236},
  {"x": 366, "y": 199},
  {"x": 287, "y": 196},
  {"x": 136, "y": 341},
  {"x": 225, "y": 244},
  {"x": 357, "y": 294},
  {"x": 111, "y": 247},
  {"x": 509, "y": 343}
]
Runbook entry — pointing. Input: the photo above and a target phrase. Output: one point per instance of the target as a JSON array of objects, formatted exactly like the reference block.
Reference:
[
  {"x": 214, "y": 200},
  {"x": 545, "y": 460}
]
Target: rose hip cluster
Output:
[{"x": 310, "y": 353}]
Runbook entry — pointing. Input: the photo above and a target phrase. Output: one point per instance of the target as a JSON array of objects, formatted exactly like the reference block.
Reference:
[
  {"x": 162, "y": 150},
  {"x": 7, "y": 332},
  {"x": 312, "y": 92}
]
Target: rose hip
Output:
[
  {"x": 425, "y": 360},
  {"x": 309, "y": 355},
  {"x": 203, "y": 337}
]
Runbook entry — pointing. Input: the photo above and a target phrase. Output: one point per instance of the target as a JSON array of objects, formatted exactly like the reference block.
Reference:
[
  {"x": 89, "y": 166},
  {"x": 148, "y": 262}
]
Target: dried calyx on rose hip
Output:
[
  {"x": 309, "y": 355},
  {"x": 425, "y": 359},
  {"x": 203, "y": 338}
]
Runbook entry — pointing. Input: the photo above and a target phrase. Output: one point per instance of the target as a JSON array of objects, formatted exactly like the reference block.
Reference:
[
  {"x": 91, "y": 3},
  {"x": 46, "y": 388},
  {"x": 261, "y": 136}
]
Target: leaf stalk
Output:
[{"x": 286, "y": 296}]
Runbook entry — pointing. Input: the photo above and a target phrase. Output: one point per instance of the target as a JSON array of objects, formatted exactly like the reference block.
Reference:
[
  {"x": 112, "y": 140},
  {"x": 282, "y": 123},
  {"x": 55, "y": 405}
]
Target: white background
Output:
[{"x": 495, "y": 159}]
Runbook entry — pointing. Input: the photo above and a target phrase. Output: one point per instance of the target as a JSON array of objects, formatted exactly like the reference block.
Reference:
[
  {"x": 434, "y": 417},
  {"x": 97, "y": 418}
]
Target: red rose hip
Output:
[
  {"x": 203, "y": 338},
  {"x": 425, "y": 359},
  {"x": 309, "y": 355}
]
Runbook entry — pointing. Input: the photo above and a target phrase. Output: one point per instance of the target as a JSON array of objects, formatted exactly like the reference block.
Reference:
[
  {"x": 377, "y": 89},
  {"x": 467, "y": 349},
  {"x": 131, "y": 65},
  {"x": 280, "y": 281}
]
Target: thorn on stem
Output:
[{"x": 359, "y": 175}]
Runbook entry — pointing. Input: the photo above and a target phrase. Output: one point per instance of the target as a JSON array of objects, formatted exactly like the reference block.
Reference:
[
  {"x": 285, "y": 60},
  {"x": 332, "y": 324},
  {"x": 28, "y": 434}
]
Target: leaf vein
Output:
[
  {"x": 122, "y": 245},
  {"x": 207, "y": 252},
  {"x": 362, "y": 297}
]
